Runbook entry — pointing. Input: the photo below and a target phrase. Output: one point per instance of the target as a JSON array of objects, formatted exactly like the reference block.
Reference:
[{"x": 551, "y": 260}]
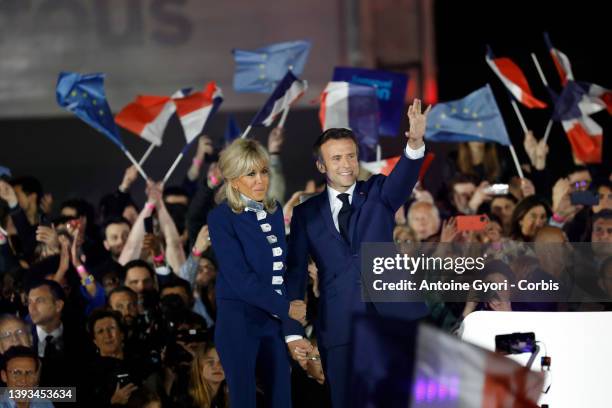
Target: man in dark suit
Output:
[
  {"x": 59, "y": 345},
  {"x": 330, "y": 228}
]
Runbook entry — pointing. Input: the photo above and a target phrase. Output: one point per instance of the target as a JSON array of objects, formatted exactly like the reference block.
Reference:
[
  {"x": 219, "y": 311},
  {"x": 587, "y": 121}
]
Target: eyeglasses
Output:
[
  {"x": 581, "y": 183},
  {"x": 17, "y": 335},
  {"x": 18, "y": 374}
]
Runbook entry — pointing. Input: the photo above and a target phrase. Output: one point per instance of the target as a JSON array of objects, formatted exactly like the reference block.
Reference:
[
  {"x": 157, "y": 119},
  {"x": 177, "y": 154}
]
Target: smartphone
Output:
[
  {"x": 589, "y": 198},
  {"x": 497, "y": 189},
  {"x": 148, "y": 224},
  {"x": 515, "y": 343},
  {"x": 123, "y": 379},
  {"x": 471, "y": 222}
]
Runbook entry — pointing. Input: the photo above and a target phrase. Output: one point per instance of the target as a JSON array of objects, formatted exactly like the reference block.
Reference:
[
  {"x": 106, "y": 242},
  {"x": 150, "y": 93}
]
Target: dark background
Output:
[{"x": 71, "y": 159}]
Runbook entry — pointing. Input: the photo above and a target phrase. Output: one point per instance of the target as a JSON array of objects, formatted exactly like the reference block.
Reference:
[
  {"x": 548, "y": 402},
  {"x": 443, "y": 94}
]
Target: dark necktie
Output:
[
  {"x": 344, "y": 215},
  {"x": 50, "y": 349}
]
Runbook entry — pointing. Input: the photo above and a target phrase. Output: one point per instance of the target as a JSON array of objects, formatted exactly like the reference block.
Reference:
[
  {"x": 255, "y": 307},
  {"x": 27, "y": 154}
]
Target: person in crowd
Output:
[
  {"x": 20, "y": 370},
  {"x": 207, "y": 385},
  {"x": 113, "y": 374},
  {"x": 116, "y": 231},
  {"x": 529, "y": 215},
  {"x": 331, "y": 228},
  {"x": 424, "y": 220},
  {"x": 140, "y": 277},
  {"x": 502, "y": 206},
  {"x": 13, "y": 332},
  {"x": 120, "y": 203},
  {"x": 58, "y": 343},
  {"x": 253, "y": 313}
]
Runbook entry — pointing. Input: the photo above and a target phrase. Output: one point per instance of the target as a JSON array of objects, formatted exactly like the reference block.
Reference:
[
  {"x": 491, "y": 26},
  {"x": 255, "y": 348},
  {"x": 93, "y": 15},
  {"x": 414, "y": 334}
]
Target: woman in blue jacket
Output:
[{"x": 248, "y": 238}]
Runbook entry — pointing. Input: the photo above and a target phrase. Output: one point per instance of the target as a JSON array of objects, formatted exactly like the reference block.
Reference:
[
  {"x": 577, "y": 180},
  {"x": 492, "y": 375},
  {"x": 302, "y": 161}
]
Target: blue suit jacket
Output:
[
  {"x": 246, "y": 262},
  {"x": 339, "y": 265}
]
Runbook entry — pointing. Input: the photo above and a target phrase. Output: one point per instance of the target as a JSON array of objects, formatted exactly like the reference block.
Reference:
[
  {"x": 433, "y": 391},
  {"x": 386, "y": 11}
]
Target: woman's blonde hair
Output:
[
  {"x": 200, "y": 391},
  {"x": 239, "y": 159}
]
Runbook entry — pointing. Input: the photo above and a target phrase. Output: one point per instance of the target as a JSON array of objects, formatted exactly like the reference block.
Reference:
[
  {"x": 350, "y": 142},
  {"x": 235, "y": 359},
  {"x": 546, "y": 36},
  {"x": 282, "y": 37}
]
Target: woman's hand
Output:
[
  {"x": 122, "y": 395},
  {"x": 297, "y": 311}
]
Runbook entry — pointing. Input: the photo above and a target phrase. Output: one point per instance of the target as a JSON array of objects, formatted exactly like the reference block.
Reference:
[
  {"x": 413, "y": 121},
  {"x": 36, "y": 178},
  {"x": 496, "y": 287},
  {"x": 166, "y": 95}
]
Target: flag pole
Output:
[
  {"x": 135, "y": 163},
  {"x": 246, "y": 132},
  {"x": 378, "y": 152},
  {"x": 283, "y": 118},
  {"x": 146, "y": 155},
  {"x": 545, "y": 82},
  {"x": 171, "y": 169},
  {"x": 516, "y": 161}
]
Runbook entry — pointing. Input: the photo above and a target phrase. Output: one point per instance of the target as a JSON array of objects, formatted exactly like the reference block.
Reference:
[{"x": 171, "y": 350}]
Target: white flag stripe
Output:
[
  {"x": 194, "y": 121},
  {"x": 336, "y": 105},
  {"x": 296, "y": 90},
  {"x": 154, "y": 131}
]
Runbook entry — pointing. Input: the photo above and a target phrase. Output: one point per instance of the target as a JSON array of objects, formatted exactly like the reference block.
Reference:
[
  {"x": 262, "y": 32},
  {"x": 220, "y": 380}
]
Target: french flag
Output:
[
  {"x": 351, "y": 106},
  {"x": 194, "y": 109},
  {"x": 381, "y": 166},
  {"x": 572, "y": 109},
  {"x": 288, "y": 90},
  {"x": 514, "y": 80},
  {"x": 585, "y": 137},
  {"x": 147, "y": 116},
  {"x": 560, "y": 60}
]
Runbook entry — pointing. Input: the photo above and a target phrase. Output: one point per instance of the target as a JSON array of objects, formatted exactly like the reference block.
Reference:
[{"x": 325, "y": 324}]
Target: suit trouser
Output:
[
  {"x": 336, "y": 363},
  {"x": 246, "y": 347}
]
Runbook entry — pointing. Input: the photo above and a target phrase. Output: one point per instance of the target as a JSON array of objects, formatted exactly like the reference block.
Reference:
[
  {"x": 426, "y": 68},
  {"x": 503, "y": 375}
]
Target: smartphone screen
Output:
[{"x": 471, "y": 222}]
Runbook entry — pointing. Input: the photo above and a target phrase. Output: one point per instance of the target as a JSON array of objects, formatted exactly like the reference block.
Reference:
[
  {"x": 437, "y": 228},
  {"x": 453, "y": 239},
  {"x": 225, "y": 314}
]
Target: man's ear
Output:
[
  {"x": 106, "y": 246},
  {"x": 4, "y": 377},
  {"x": 320, "y": 166}
]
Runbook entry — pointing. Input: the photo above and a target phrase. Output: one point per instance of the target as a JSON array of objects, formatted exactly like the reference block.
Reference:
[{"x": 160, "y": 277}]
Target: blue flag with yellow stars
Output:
[
  {"x": 262, "y": 69},
  {"x": 474, "y": 118},
  {"x": 84, "y": 96}
]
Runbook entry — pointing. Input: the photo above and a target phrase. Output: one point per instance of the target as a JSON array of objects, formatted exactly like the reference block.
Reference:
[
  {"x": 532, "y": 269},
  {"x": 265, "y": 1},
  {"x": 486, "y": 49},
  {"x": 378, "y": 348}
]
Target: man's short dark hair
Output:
[
  {"x": 29, "y": 185},
  {"x": 55, "y": 288},
  {"x": 176, "y": 282},
  {"x": 137, "y": 263},
  {"x": 335, "y": 134},
  {"x": 120, "y": 289},
  {"x": 19, "y": 352},
  {"x": 114, "y": 220},
  {"x": 100, "y": 314}
]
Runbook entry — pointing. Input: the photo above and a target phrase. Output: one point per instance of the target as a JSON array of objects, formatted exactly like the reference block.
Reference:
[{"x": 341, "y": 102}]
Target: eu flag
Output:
[
  {"x": 84, "y": 96},
  {"x": 262, "y": 69},
  {"x": 474, "y": 118}
]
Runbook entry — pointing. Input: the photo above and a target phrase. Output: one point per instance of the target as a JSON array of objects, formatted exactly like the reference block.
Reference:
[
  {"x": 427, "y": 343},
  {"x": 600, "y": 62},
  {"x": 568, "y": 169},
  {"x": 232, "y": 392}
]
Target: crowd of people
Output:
[{"x": 120, "y": 299}]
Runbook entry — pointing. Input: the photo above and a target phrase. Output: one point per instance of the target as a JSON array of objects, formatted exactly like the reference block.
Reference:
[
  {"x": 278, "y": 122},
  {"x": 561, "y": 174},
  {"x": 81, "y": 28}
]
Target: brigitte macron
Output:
[{"x": 248, "y": 237}]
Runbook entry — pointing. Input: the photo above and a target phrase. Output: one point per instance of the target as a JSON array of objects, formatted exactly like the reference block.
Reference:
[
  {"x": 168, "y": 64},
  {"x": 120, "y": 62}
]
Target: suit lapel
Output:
[{"x": 326, "y": 214}]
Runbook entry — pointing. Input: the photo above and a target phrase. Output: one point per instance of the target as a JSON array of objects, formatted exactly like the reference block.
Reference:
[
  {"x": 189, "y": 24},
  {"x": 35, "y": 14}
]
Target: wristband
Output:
[
  {"x": 81, "y": 269},
  {"x": 197, "y": 162},
  {"x": 150, "y": 206},
  {"x": 558, "y": 218},
  {"x": 159, "y": 258},
  {"x": 88, "y": 280},
  {"x": 195, "y": 252}
]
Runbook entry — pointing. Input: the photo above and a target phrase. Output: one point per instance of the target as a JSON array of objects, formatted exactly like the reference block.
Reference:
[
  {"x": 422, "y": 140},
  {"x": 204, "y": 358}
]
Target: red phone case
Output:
[{"x": 471, "y": 222}]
